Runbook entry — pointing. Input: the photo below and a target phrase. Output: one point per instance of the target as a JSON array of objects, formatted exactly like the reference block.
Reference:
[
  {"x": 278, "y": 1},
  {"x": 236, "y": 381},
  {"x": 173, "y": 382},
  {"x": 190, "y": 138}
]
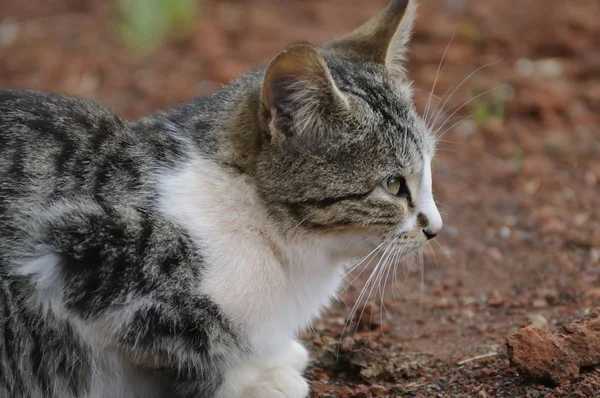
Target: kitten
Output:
[{"x": 180, "y": 255}]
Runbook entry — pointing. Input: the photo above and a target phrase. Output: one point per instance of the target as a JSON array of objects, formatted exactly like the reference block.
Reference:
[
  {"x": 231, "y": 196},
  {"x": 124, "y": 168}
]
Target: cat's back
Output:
[
  {"x": 40, "y": 121},
  {"x": 52, "y": 146}
]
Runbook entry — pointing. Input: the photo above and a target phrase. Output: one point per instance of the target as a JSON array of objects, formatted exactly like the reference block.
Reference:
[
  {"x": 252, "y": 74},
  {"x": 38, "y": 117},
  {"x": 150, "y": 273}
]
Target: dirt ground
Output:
[{"x": 518, "y": 182}]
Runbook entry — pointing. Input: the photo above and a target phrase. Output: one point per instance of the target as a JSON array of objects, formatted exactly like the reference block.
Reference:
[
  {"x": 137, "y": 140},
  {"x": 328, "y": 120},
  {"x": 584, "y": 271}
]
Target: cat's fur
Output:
[{"x": 180, "y": 255}]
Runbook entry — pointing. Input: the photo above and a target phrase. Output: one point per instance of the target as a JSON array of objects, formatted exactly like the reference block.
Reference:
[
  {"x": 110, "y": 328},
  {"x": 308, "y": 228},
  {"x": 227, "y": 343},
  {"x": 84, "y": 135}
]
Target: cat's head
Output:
[{"x": 347, "y": 154}]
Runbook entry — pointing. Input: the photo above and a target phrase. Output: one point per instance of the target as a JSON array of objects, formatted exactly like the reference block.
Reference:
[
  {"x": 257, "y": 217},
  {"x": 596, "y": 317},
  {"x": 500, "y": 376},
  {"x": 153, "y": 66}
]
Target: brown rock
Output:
[
  {"x": 378, "y": 391},
  {"x": 321, "y": 376},
  {"x": 558, "y": 356},
  {"x": 319, "y": 389},
  {"x": 495, "y": 299}
]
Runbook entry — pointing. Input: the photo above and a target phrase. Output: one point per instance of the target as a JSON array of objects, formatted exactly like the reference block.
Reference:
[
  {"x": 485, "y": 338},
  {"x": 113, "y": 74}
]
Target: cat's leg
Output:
[{"x": 279, "y": 377}]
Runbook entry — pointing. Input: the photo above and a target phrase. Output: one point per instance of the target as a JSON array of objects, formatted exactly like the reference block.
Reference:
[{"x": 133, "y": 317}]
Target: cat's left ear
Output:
[
  {"x": 299, "y": 94},
  {"x": 383, "y": 39}
]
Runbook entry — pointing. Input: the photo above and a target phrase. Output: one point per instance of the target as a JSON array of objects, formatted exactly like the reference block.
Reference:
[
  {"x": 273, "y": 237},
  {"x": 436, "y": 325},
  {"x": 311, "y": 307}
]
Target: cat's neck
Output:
[
  {"x": 225, "y": 126},
  {"x": 260, "y": 277}
]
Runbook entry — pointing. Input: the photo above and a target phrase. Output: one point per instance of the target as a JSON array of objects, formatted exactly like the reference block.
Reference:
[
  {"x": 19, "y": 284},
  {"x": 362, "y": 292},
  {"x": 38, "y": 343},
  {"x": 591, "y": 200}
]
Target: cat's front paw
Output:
[
  {"x": 278, "y": 382},
  {"x": 297, "y": 356}
]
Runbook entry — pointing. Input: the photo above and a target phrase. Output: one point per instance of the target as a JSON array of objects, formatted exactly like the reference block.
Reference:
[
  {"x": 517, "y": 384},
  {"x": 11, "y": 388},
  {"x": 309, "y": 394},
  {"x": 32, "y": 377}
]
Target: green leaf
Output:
[{"x": 144, "y": 24}]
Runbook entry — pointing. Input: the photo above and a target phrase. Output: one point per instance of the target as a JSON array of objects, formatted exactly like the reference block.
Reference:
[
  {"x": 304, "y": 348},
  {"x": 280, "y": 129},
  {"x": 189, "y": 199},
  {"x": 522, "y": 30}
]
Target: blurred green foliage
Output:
[
  {"x": 518, "y": 159},
  {"x": 487, "y": 108},
  {"x": 142, "y": 25}
]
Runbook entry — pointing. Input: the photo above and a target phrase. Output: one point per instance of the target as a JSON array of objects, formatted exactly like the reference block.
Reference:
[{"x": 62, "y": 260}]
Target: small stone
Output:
[
  {"x": 595, "y": 256},
  {"x": 495, "y": 254},
  {"x": 565, "y": 384},
  {"x": 524, "y": 67},
  {"x": 553, "y": 227},
  {"x": 537, "y": 320},
  {"x": 551, "y": 295},
  {"x": 504, "y": 232},
  {"x": 539, "y": 303},
  {"x": 580, "y": 218},
  {"x": 590, "y": 179},
  {"x": 495, "y": 299},
  {"x": 549, "y": 67},
  {"x": 321, "y": 376},
  {"x": 532, "y": 186},
  {"x": 9, "y": 32},
  {"x": 319, "y": 389},
  {"x": 379, "y": 391}
]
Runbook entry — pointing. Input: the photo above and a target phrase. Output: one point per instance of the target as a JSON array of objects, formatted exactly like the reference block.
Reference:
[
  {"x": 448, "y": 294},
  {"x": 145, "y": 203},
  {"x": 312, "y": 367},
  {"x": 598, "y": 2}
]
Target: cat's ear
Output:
[
  {"x": 383, "y": 39},
  {"x": 298, "y": 92}
]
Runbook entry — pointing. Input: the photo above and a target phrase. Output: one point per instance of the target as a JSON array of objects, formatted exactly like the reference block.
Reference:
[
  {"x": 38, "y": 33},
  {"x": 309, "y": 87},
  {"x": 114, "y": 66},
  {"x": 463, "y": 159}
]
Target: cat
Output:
[{"x": 179, "y": 255}]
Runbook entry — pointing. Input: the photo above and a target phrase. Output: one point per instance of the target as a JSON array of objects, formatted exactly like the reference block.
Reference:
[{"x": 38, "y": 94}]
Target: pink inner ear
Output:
[{"x": 297, "y": 65}]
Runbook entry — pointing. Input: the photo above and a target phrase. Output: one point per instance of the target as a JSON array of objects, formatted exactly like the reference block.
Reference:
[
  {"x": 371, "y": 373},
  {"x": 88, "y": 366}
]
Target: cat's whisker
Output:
[
  {"x": 374, "y": 255},
  {"x": 355, "y": 306},
  {"x": 441, "y": 204},
  {"x": 340, "y": 298},
  {"x": 437, "y": 75},
  {"x": 376, "y": 288},
  {"x": 365, "y": 267},
  {"x": 428, "y": 108},
  {"x": 460, "y": 120},
  {"x": 383, "y": 281},
  {"x": 395, "y": 277},
  {"x": 447, "y": 150},
  {"x": 442, "y": 125},
  {"x": 441, "y": 109},
  {"x": 375, "y": 273},
  {"x": 450, "y": 142},
  {"x": 391, "y": 264},
  {"x": 432, "y": 250},
  {"x": 363, "y": 292},
  {"x": 471, "y": 100},
  {"x": 367, "y": 256},
  {"x": 454, "y": 89},
  {"x": 422, "y": 284},
  {"x": 379, "y": 281},
  {"x": 445, "y": 251},
  {"x": 351, "y": 283}
]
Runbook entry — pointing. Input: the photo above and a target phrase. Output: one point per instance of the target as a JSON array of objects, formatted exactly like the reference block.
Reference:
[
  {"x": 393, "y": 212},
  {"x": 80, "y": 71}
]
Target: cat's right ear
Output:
[{"x": 298, "y": 93}]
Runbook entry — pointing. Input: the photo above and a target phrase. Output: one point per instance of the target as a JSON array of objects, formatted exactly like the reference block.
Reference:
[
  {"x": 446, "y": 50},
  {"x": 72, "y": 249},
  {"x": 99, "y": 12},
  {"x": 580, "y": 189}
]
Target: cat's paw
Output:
[
  {"x": 297, "y": 356},
  {"x": 278, "y": 382}
]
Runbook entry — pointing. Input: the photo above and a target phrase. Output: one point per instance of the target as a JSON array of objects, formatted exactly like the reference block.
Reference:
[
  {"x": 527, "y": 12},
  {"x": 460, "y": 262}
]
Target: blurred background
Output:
[{"x": 517, "y": 175}]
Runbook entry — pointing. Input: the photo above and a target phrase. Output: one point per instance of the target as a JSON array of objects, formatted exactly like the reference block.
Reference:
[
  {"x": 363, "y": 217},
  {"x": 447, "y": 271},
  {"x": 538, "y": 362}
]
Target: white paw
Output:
[
  {"x": 278, "y": 382},
  {"x": 297, "y": 356}
]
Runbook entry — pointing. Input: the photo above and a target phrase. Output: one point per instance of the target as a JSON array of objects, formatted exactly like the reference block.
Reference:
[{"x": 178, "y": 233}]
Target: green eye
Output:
[{"x": 396, "y": 185}]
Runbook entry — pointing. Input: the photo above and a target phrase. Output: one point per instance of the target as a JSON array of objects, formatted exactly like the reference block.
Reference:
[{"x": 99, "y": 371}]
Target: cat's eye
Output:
[{"x": 396, "y": 185}]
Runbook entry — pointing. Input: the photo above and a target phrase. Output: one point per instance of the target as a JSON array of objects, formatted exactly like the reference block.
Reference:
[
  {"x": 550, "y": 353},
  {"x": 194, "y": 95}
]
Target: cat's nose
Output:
[
  {"x": 429, "y": 234},
  {"x": 433, "y": 221}
]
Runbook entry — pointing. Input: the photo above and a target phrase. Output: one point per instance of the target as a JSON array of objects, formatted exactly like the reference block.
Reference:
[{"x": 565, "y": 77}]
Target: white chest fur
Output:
[{"x": 268, "y": 288}]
